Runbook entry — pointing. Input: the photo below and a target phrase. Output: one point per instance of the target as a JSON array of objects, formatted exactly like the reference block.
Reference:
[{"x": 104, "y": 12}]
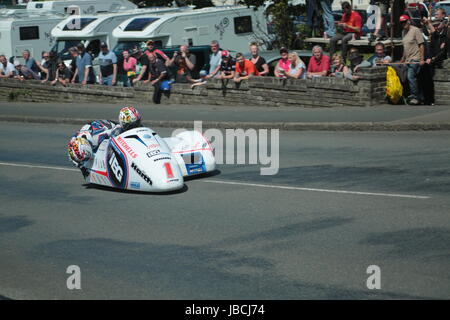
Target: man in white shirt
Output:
[{"x": 7, "y": 69}]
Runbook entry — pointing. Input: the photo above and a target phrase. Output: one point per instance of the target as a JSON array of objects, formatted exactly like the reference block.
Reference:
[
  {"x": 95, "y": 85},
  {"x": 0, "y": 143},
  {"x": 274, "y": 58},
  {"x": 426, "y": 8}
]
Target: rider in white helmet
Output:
[{"x": 83, "y": 145}]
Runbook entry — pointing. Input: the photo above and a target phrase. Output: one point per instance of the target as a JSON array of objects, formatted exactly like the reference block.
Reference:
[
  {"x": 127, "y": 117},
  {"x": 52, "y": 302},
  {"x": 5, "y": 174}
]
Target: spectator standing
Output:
[
  {"x": 319, "y": 64},
  {"x": 108, "y": 66},
  {"x": 84, "y": 69},
  {"x": 184, "y": 62},
  {"x": 351, "y": 23},
  {"x": 73, "y": 63},
  {"x": 440, "y": 36},
  {"x": 30, "y": 63},
  {"x": 244, "y": 69},
  {"x": 44, "y": 66},
  {"x": 142, "y": 66},
  {"x": 413, "y": 55},
  {"x": 63, "y": 74},
  {"x": 215, "y": 58},
  {"x": 7, "y": 69},
  {"x": 129, "y": 68},
  {"x": 158, "y": 72},
  {"x": 328, "y": 19},
  {"x": 297, "y": 68},
  {"x": 381, "y": 19},
  {"x": 283, "y": 64},
  {"x": 259, "y": 62},
  {"x": 24, "y": 73},
  {"x": 151, "y": 49}
]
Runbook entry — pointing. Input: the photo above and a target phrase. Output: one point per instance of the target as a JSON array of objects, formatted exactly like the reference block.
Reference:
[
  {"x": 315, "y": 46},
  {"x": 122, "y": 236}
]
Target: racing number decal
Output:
[
  {"x": 115, "y": 167},
  {"x": 169, "y": 171}
]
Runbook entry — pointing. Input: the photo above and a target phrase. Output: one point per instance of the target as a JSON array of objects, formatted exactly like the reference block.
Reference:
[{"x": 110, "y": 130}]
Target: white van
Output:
[{"x": 85, "y": 6}]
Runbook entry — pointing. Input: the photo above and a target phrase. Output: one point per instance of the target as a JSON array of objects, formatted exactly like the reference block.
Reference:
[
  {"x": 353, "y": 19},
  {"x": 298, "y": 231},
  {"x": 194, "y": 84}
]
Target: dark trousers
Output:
[
  {"x": 157, "y": 92},
  {"x": 345, "y": 39}
]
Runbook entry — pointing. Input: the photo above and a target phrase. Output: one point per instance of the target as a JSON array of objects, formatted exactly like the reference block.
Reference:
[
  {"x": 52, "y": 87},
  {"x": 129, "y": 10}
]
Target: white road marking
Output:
[
  {"x": 35, "y": 166},
  {"x": 395, "y": 195},
  {"x": 318, "y": 190}
]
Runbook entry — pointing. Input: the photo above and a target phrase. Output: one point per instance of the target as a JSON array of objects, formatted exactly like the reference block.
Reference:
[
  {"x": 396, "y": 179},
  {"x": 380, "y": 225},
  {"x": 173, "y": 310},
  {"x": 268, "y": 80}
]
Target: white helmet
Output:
[{"x": 79, "y": 149}]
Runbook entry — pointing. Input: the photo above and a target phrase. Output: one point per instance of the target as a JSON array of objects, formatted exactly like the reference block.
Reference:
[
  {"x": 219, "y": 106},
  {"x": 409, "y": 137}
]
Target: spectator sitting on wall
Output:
[
  {"x": 129, "y": 67},
  {"x": 142, "y": 66},
  {"x": 184, "y": 62},
  {"x": 297, "y": 67},
  {"x": 215, "y": 58},
  {"x": 319, "y": 64},
  {"x": 259, "y": 62},
  {"x": 84, "y": 70},
  {"x": 202, "y": 81},
  {"x": 24, "y": 73},
  {"x": 151, "y": 49},
  {"x": 30, "y": 63},
  {"x": 282, "y": 64},
  {"x": 227, "y": 66},
  {"x": 108, "y": 66},
  {"x": 157, "y": 73},
  {"x": 380, "y": 57},
  {"x": 7, "y": 69},
  {"x": 340, "y": 70},
  {"x": 351, "y": 23},
  {"x": 244, "y": 69},
  {"x": 63, "y": 74}
]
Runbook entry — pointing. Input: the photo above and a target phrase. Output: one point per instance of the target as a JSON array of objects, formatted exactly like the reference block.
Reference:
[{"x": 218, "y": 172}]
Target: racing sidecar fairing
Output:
[{"x": 139, "y": 159}]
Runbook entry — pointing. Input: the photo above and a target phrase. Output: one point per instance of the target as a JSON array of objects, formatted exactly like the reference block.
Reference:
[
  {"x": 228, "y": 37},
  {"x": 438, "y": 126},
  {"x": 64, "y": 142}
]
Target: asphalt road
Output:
[{"x": 235, "y": 235}]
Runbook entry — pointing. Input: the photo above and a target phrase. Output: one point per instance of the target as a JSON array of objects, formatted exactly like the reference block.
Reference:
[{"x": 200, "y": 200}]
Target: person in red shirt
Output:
[
  {"x": 351, "y": 23},
  {"x": 244, "y": 69},
  {"x": 319, "y": 64}
]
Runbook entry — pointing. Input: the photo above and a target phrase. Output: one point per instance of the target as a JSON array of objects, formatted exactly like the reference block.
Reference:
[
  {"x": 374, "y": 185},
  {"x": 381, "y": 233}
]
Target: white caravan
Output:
[
  {"x": 91, "y": 30},
  {"x": 30, "y": 28},
  {"x": 84, "y": 6},
  {"x": 233, "y": 26}
]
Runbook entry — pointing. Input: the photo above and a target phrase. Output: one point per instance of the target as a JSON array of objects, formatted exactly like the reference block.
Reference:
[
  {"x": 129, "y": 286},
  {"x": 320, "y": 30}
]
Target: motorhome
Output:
[
  {"x": 94, "y": 29},
  {"x": 21, "y": 29},
  {"x": 81, "y": 6},
  {"x": 233, "y": 26},
  {"x": 30, "y": 28}
]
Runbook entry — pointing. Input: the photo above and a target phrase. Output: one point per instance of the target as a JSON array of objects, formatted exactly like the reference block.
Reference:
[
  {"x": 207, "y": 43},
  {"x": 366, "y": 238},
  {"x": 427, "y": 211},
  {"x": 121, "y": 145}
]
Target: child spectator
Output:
[
  {"x": 227, "y": 66},
  {"x": 129, "y": 67}
]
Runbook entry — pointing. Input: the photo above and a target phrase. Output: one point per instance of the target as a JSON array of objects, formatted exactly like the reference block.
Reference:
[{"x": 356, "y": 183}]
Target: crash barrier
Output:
[{"x": 263, "y": 91}]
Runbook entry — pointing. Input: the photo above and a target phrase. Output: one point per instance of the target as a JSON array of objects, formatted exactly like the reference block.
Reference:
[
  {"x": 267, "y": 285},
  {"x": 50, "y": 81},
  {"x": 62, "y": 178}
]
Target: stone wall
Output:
[
  {"x": 263, "y": 91},
  {"x": 442, "y": 84}
]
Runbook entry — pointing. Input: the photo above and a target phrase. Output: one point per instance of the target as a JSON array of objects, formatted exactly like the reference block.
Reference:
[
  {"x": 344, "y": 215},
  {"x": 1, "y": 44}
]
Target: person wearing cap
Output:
[
  {"x": 259, "y": 62},
  {"x": 142, "y": 66},
  {"x": 184, "y": 62},
  {"x": 351, "y": 23},
  {"x": 157, "y": 74},
  {"x": 413, "y": 56},
  {"x": 151, "y": 49},
  {"x": 319, "y": 64},
  {"x": 84, "y": 69},
  {"x": 227, "y": 66},
  {"x": 7, "y": 69},
  {"x": 108, "y": 66},
  {"x": 282, "y": 64},
  {"x": 24, "y": 73},
  {"x": 244, "y": 69}
]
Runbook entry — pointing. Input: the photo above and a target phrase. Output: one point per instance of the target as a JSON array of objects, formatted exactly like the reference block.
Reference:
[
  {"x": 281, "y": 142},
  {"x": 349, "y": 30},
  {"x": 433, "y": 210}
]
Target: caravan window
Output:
[
  {"x": 243, "y": 24},
  {"x": 29, "y": 33},
  {"x": 77, "y": 24},
  {"x": 139, "y": 24}
]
